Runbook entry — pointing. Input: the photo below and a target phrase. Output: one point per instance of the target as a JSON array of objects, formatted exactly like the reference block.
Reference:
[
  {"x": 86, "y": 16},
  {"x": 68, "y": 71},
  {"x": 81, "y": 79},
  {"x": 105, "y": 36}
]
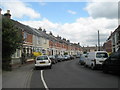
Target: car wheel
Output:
[
  {"x": 82, "y": 63},
  {"x": 86, "y": 65},
  {"x": 50, "y": 67}
]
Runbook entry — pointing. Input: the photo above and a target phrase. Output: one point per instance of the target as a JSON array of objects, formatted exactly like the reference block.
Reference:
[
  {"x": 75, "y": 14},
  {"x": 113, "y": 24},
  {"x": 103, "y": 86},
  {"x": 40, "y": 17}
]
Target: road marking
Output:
[
  {"x": 28, "y": 78},
  {"x": 42, "y": 78}
]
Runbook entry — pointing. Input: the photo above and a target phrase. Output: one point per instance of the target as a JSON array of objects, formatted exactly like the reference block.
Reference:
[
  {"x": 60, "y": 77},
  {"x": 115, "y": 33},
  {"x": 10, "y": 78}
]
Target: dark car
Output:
[
  {"x": 53, "y": 59},
  {"x": 72, "y": 57},
  {"x": 112, "y": 63},
  {"x": 67, "y": 57},
  {"x": 60, "y": 58}
]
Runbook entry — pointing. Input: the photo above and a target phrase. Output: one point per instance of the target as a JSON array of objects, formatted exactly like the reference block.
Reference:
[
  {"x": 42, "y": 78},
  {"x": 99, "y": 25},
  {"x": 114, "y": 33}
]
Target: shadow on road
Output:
[{"x": 41, "y": 68}]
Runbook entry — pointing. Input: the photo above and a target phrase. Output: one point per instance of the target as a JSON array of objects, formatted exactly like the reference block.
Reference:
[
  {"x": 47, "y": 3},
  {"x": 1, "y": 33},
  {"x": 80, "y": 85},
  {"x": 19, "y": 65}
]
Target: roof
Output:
[
  {"x": 40, "y": 33},
  {"x": 116, "y": 30}
]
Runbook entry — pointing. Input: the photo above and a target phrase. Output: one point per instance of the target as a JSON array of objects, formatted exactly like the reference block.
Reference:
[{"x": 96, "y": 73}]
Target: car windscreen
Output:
[
  {"x": 42, "y": 58},
  {"x": 101, "y": 55},
  {"x": 82, "y": 58},
  {"x": 59, "y": 56},
  {"x": 50, "y": 56}
]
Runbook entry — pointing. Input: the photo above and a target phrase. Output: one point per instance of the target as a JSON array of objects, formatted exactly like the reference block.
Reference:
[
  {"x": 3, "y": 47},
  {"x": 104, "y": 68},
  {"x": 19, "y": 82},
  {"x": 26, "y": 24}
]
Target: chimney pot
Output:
[
  {"x": 8, "y": 14},
  {"x": 44, "y": 31},
  {"x": 8, "y": 11}
]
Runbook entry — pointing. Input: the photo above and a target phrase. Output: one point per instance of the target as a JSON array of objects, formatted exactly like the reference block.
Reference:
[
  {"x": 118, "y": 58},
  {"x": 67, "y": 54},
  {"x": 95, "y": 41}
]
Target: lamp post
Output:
[{"x": 98, "y": 41}]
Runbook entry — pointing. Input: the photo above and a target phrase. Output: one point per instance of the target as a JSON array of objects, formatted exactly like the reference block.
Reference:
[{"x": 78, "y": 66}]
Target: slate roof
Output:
[{"x": 42, "y": 34}]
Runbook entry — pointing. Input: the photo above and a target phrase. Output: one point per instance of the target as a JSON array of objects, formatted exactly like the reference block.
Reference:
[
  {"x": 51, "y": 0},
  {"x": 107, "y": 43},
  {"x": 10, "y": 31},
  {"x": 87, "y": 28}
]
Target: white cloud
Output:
[
  {"x": 45, "y": 24},
  {"x": 84, "y": 30},
  {"x": 103, "y": 17},
  {"x": 19, "y": 9},
  {"x": 103, "y": 9},
  {"x": 71, "y": 12}
]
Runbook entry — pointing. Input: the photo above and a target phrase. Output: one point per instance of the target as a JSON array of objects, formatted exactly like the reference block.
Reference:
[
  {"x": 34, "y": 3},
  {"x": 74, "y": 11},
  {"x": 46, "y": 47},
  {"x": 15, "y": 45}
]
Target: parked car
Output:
[
  {"x": 60, "y": 58},
  {"x": 53, "y": 59},
  {"x": 72, "y": 57},
  {"x": 83, "y": 59},
  {"x": 95, "y": 59},
  {"x": 78, "y": 56},
  {"x": 67, "y": 57},
  {"x": 112, "y": 63},
  {"x": 43, "y": 61}
]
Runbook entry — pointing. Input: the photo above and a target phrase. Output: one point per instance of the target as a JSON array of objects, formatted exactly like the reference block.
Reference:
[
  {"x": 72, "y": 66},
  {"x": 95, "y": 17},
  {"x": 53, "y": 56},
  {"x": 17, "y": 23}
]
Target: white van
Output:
[{"x": 95, "y": 59}]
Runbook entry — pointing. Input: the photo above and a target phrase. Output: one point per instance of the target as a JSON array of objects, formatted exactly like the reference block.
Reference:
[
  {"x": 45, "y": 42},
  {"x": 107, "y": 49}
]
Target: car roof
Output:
[{"x": 43, "y": 55}]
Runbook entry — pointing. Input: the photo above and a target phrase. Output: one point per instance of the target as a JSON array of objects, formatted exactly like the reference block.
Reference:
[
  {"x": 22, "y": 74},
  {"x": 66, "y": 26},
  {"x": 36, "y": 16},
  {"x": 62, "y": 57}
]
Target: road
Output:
[{"x": 69, "y": 74}]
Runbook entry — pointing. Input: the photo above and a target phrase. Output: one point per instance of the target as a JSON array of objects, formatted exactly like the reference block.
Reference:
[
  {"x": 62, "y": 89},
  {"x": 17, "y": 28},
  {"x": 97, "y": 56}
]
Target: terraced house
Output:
[
  {"x": 113, "y": 42},
  {"x": 115, "y": 36},
  {"x": 37, "y": 40}
]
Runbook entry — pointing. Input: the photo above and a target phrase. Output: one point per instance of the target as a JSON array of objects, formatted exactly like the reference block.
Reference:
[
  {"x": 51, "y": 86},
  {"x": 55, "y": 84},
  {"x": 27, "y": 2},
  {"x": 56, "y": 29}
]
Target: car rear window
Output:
[
  {"x": 42, "y": 58},
  {"x": 115, "y": 56},
  {"x": 101, "y": 55}
]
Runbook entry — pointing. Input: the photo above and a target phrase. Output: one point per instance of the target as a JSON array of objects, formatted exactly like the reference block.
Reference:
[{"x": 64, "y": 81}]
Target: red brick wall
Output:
[
  {"x": 108, "y": 46},
  {"x": 29, "y": 38}
]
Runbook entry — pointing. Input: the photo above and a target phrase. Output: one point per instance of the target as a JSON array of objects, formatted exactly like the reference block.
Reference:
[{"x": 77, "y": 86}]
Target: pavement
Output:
[
  {"x": 14, "y": 66},
  {"x": 17, "y": 78}
]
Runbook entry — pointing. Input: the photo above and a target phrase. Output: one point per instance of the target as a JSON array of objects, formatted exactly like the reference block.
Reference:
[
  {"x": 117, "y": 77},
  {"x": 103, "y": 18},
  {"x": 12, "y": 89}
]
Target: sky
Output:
[{"x": 77, "y": 21}]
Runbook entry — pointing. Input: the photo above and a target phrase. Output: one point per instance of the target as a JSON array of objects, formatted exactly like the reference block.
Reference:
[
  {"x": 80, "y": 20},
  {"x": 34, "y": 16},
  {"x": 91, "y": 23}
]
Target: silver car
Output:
[{"x": 43, "y": 61}]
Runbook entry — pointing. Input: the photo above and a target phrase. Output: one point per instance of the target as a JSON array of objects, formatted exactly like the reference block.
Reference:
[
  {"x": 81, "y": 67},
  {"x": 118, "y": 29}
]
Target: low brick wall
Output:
[{"x": 16, "y": 62}]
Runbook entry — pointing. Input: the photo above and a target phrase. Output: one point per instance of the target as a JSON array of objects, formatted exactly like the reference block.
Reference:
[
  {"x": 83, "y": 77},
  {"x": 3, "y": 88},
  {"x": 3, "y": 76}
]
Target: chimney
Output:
[
  {"x": 50, "y": 33},
  {"x": 0, "y": 11},
  {"x": 44, "y": 31},
  {"x": 64, "y": 39},
  {"x": 60, "y": 37},
  {"x": 68, "y": 40},
  {"x": 8, "y": 11},
  {"x": 8, "y": 14},
  {"x": 40, "y": 29}
]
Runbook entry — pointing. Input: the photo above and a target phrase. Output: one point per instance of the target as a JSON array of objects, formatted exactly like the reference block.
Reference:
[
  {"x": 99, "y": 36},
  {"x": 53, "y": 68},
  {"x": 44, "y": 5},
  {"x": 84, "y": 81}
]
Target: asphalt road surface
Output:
[{"x": 69, "y": 74}]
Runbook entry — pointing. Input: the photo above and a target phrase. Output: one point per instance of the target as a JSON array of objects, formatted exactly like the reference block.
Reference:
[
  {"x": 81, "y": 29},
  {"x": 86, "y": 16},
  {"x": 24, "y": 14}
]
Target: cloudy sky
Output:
[{"x": 77, "y": 21}]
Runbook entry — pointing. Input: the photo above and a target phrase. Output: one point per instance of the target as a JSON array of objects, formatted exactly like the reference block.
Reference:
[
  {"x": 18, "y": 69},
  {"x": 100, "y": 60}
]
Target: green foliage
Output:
[
  {"x": 85, "y": 52},
  {"x": 11, "y": 38},
  {"x": 65, "y": 53}
]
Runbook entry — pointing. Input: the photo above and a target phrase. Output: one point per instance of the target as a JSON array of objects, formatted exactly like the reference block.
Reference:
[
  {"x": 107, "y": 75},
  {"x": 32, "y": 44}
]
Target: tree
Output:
[
  {"x": 11, "y": 40},
  {"x": 65, "y": 53}
]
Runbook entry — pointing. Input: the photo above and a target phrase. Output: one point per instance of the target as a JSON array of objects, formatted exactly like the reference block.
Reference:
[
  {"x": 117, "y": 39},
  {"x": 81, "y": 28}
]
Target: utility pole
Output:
[{"x": 98, "y": 41}]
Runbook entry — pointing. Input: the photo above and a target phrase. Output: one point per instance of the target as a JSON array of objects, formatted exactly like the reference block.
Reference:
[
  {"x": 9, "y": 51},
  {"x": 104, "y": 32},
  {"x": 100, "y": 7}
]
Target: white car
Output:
[
  {"x": 95, "y": 59},
  {"x": 43, "y": 61}
]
